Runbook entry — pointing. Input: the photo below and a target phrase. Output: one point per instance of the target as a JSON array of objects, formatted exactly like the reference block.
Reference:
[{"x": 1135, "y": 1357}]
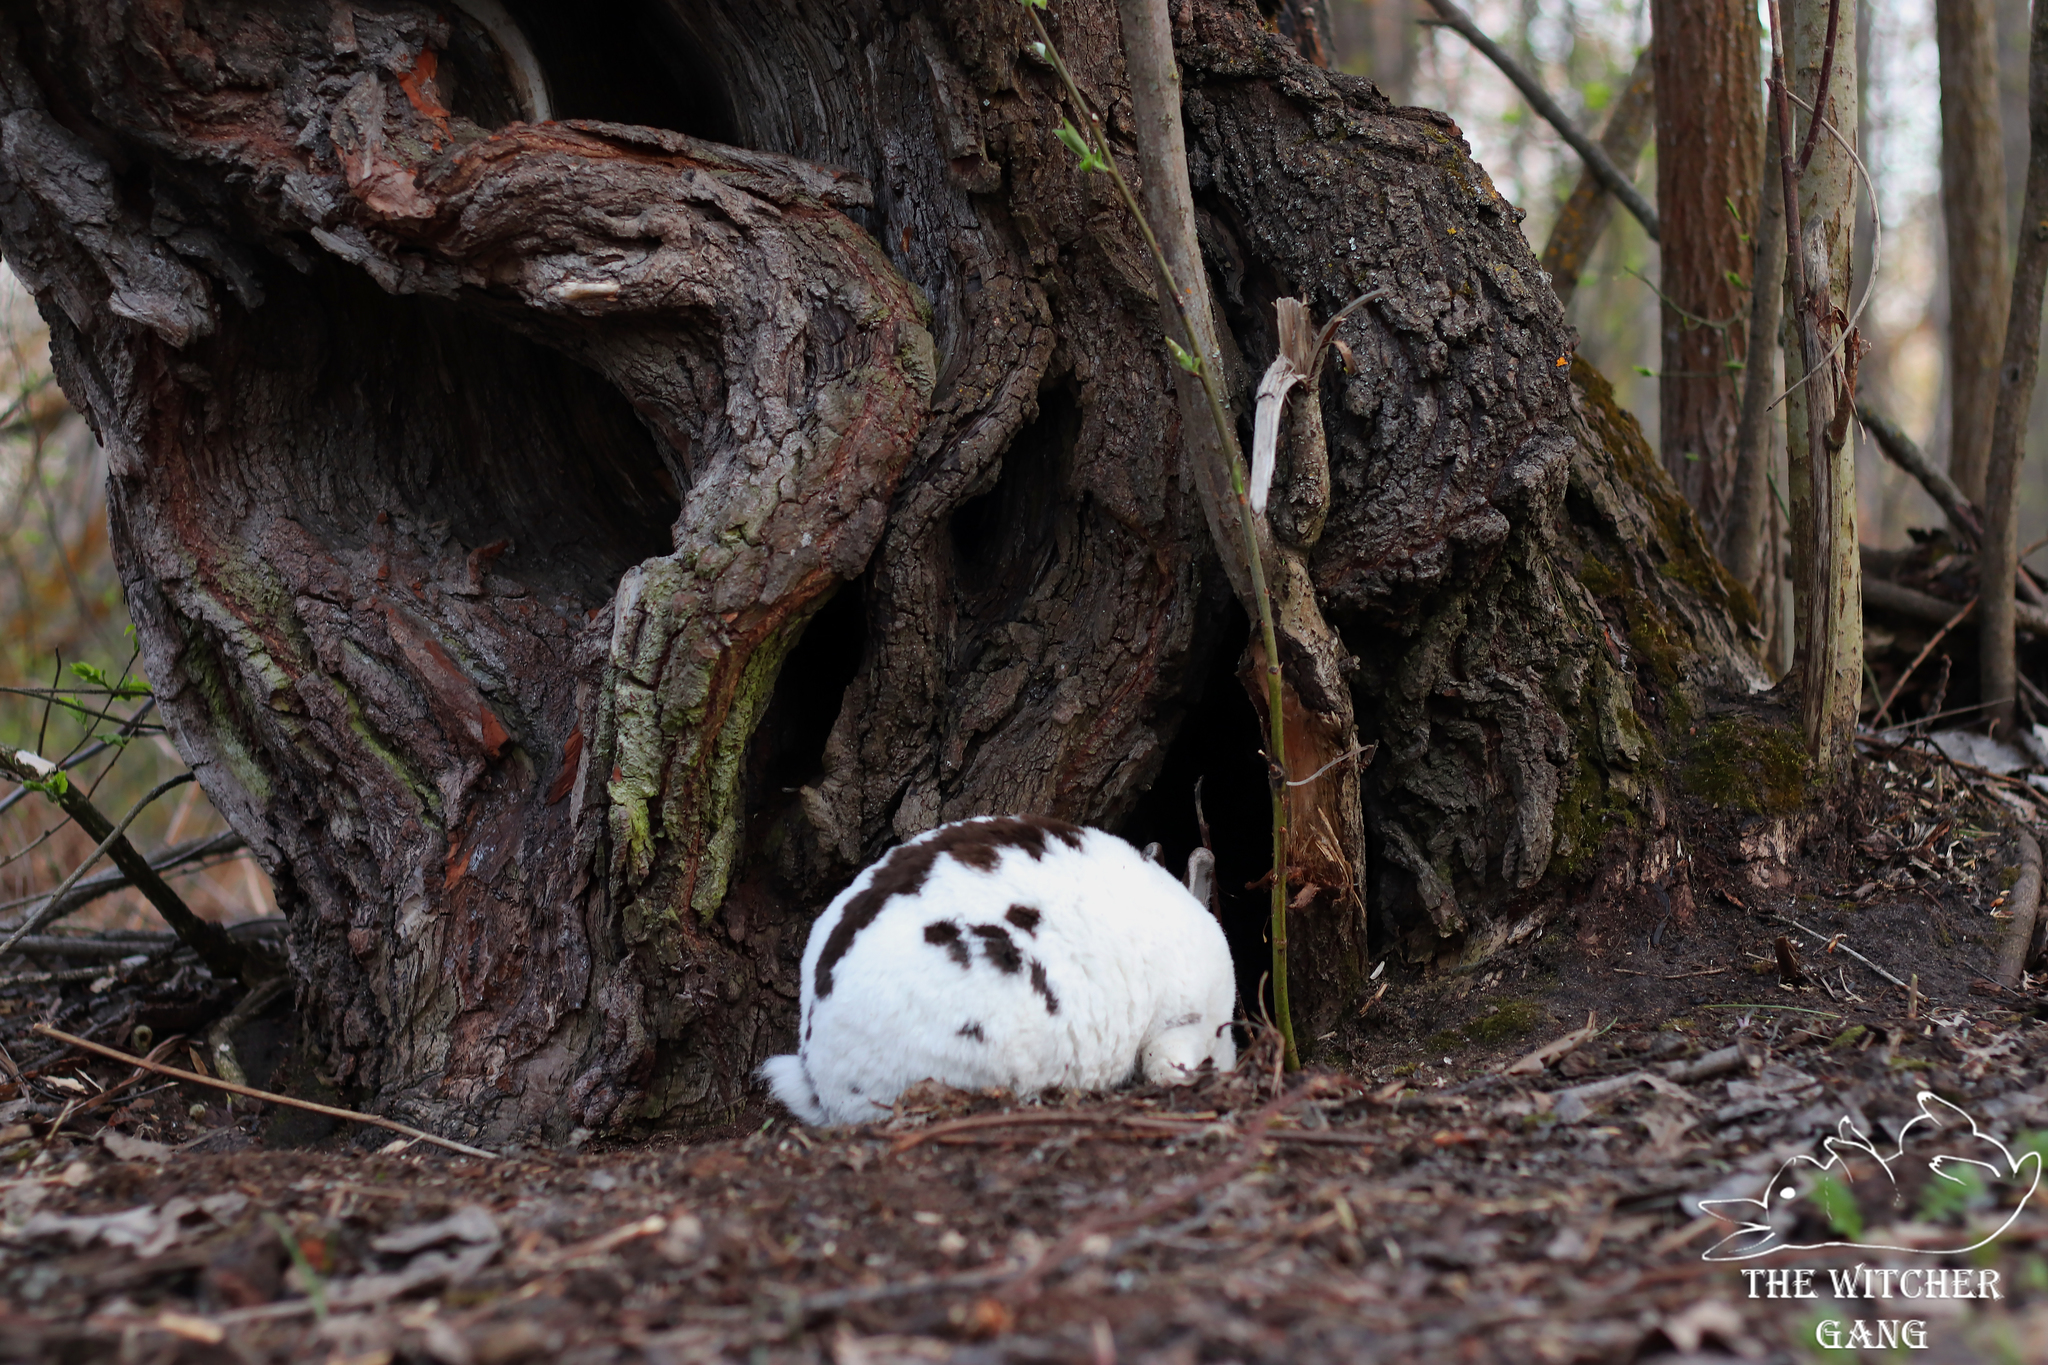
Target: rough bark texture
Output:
[
  {"x": 473, "y": 482},
  {"x": 1709, "y": 150},
  {"x": 2020, "y": 362},
  {"x": 1973, "y": 214},
  {"x": 1819, "y": 455},
  {"x": 1745, "y": 548}
]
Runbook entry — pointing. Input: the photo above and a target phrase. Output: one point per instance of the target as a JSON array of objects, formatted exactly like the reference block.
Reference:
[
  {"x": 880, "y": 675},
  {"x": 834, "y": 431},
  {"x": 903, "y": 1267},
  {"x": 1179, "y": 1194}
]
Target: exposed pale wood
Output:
[
  {"x": 2023, "y": 903},
  {"x": 251, "y": 1092}
]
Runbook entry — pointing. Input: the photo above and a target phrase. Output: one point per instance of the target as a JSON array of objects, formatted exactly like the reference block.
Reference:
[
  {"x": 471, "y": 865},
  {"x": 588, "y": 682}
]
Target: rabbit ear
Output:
[{"x": 1202, "y": 878}]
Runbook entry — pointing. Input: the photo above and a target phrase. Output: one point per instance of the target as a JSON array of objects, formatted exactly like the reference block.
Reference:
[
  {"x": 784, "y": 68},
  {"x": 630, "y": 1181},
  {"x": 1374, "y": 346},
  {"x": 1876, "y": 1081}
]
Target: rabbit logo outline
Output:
[{"x": 1765, "y": 1224}]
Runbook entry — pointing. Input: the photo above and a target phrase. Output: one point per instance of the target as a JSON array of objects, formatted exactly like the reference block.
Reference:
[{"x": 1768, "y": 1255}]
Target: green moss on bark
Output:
[{"x": 1746, "y": 765}]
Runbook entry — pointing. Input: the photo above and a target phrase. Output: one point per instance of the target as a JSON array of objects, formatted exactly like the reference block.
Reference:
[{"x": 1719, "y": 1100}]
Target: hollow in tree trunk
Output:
[{"x": 567, "y": 551}]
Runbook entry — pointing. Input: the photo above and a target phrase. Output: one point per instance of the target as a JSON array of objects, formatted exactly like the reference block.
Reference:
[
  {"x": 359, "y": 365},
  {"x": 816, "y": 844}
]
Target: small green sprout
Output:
[{"x": 1075, "y": 143}]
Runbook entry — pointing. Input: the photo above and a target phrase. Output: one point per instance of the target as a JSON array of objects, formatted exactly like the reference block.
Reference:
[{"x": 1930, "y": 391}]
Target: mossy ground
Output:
[{"x": 1748, "y": 765}]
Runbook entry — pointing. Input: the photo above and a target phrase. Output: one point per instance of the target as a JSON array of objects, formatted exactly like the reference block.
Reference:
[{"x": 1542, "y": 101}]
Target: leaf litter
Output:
[{"x": 1535, "y": 1197}]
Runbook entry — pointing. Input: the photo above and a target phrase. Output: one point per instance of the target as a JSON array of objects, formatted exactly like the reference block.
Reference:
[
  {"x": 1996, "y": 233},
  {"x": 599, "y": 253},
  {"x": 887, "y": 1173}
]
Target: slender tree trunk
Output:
[
  {"x": 1973, "y": 213},
  {"x": 1322, "y": 848},
  {"x": 1744, "y": 543},
  {"x": 1376, "y": 39},
  {"x": 568, "y": 551},
  {"x": 1584, "y": 217},
  {"x": 1998, "y": 556},
  {"x": 2015, "y": 24},
  {"x": 1820, "y": 457},
  {"x": 1709, "y": 150}
]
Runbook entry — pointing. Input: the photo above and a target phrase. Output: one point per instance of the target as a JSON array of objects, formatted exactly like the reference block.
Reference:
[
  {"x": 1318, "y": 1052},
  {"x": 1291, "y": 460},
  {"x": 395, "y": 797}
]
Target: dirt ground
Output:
[{"x": 1427, "y": 1201}]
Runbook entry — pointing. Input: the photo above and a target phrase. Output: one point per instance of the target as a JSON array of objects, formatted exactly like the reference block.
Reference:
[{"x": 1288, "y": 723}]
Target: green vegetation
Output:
[
  {"x": 1506, "y": 1022},
  {"x": 1748, "y": 766}
]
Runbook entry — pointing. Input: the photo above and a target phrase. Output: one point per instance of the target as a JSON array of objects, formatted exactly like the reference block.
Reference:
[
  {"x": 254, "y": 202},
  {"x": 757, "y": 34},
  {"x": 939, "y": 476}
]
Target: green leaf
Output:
[
  {"x": 1075, "y": 143},
  {"x": 1645, "y": 371},
  {"x": 54, "y": 786},
  {"x": 92, "y": 673},
  {"x": 1187, "y": 361},
  {"x": 1952, "y": 1193},
  {"x": 1838, "y": 1202}
]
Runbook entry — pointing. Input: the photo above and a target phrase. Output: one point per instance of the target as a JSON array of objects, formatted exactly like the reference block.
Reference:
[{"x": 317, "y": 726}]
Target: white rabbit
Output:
[{"x": 1009, "y": 951}]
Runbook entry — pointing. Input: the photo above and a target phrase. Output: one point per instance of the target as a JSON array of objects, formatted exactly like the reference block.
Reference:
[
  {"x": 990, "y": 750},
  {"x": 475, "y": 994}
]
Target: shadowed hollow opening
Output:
[
  {"x": 627, "y": 61},
  {"x": 369, "y": 404},
  {"x": 788, "y": 747},
  {"x": 1218, "y": 744}
]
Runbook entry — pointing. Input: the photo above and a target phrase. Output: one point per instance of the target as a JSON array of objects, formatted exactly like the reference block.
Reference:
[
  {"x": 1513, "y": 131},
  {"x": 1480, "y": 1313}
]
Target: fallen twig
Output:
[
  {"x": 1535, "y": 1062},
  {"x": 135, "y": 1077},
  {"x": 1026, "y": 1282},
  {"x": 974, "y": 1121},
  {"x": 270, "y": 1097},
  {"x": 1836, "y": 944},
  {"x": 1884, "y": 707},
  {"x": 1915, "y": 605}
]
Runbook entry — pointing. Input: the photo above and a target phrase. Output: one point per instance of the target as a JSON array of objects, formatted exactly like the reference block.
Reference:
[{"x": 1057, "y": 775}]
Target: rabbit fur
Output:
[{"x": 1012, "y": 952}]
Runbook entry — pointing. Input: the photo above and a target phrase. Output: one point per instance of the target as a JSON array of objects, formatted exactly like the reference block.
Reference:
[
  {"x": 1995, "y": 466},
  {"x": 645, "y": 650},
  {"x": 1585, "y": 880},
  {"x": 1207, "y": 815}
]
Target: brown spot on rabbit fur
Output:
[{"x": 978, "y": 844}]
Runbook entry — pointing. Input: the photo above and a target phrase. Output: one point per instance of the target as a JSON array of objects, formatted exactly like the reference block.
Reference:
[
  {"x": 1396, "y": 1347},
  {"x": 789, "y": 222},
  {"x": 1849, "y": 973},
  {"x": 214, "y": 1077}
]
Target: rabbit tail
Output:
[{"x": 790, "y": 1082}]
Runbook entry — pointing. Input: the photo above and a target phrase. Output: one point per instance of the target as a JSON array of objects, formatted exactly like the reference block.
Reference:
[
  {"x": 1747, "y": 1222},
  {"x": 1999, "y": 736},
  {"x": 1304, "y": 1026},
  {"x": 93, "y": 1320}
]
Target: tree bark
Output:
[
  {"x": 1998, "y": 554},
  {"x": 1743, "y": 544},
  {"x": 567, "y": 552},
  {"x": 1821, "y": 369},
  {"x": 1973, "y": 213},
  {"x": 1709, "y": 151}
]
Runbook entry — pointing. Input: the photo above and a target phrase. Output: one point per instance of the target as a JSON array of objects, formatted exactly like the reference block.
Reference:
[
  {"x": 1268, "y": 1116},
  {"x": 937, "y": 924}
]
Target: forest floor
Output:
[{"x": 1430, "y": 1202}]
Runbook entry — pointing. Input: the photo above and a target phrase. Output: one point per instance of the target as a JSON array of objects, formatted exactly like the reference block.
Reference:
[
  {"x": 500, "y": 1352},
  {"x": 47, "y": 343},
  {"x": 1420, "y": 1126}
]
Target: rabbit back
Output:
[{"x": 1009, "y": 952}]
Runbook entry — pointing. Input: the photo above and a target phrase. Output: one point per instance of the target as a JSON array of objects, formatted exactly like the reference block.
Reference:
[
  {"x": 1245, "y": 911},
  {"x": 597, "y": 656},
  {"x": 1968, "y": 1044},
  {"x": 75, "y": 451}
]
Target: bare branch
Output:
[
  {"x": 1901, "y": 450},
  {"x": 222, "y": 955},
  {"x": 165, "y": 860},
  {"x": 1597, "y": 161}
]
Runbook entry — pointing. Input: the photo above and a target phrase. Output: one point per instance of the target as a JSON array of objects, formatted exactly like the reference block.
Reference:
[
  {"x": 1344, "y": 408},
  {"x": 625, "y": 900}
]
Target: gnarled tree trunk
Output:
[{"x": 568, "y": 551}]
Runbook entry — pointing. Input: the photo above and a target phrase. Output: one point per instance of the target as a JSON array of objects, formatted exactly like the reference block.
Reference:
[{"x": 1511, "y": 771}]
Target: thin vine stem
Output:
[{"x": 1276, "y": 757}]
